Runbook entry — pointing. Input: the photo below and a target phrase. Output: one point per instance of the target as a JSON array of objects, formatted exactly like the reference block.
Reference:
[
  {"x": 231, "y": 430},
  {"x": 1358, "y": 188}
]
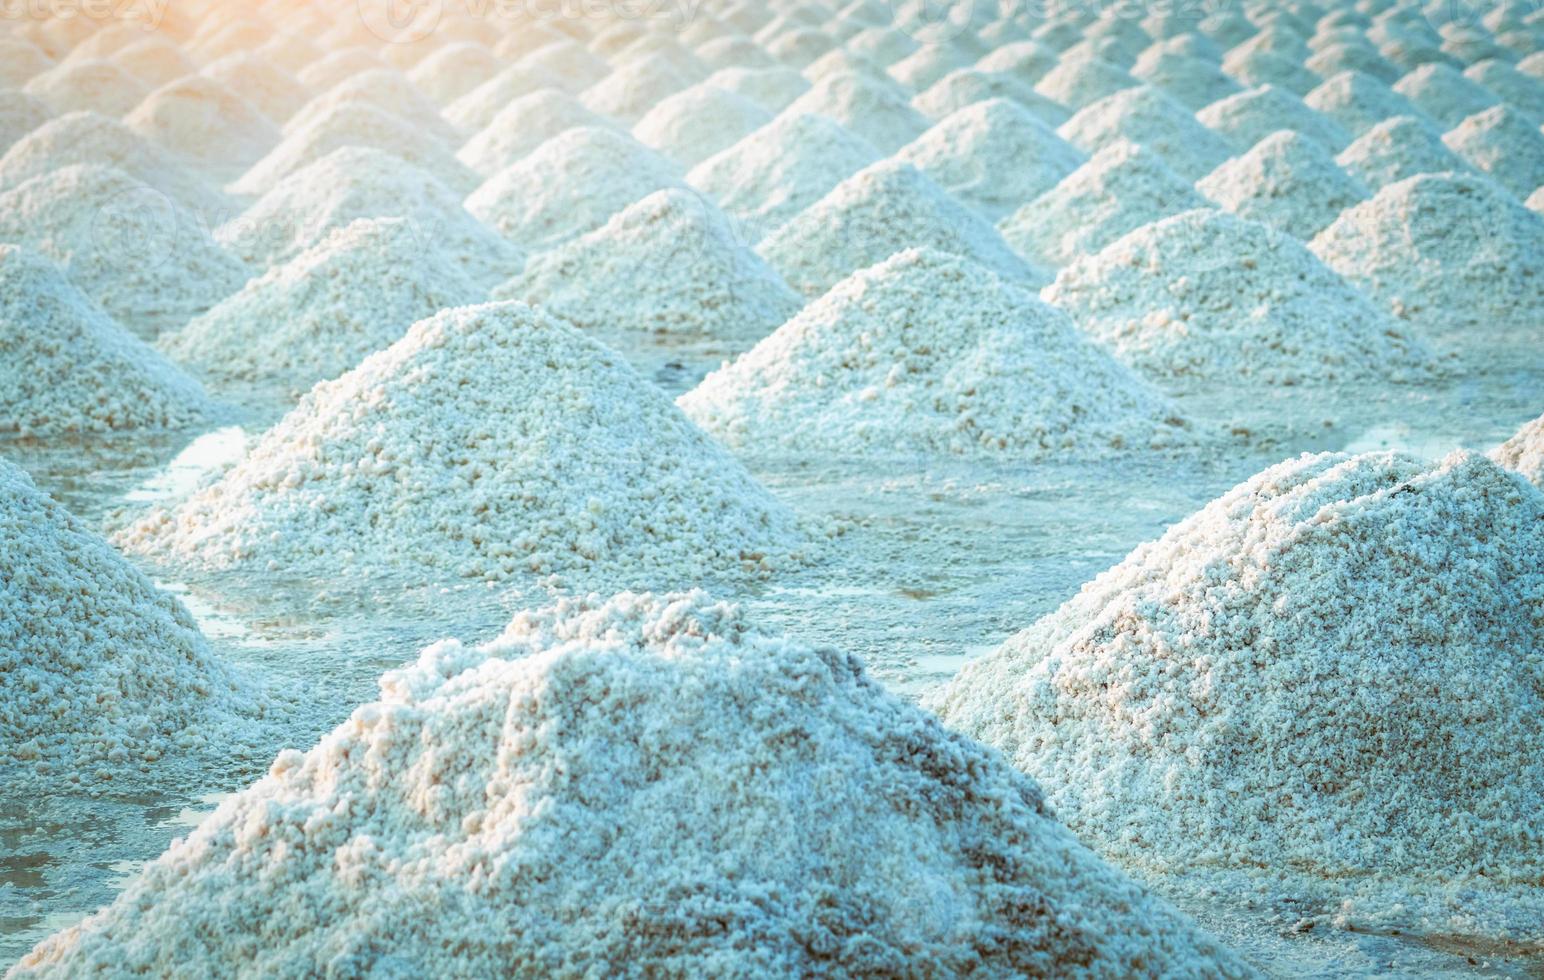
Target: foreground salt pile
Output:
[
  {"x": 627, "y": 787},
  {"x": 563, "y": 462},
  {"x": 1269, "y": 686},
  {"x": 1524, "y": 452},
  {"x": 930, "y": 353}
]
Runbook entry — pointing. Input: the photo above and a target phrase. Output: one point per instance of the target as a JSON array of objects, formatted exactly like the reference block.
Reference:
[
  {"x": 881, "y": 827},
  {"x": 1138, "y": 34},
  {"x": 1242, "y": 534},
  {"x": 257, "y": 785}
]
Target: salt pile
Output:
[
  {"x": 1287, "y": 181},
  {"x": 1505, "y": 144},
  {"x": 874, "y": 110},
  {"x": 522, "y": 126},
  {"x": 1358, "y": 102},
  {"x": 1453, "y": 254},
  {"x": 1078, "y": 82},
  {"x": 203, "y": 120},
  {"x": 452, "y": 71},
  {"x": 338, "y": 66},
  {"x": 1443, "y": 93},
  {"x": 1144, "y": 115},
  {"x": 603, "y": 171},
  {"x": 928, "y": 353},
  {"x": 383, "y": 89},
  {"x": 471, "y": 113},
  {"x": 1121, "y": 188},
  {"x": 576, "y": 66},
  {"x": 154, "y": 61},
  {"x": 968, "y": 86},
  {"x": 994, "y": 156},
  {"x": 1248, "y": 117},
  {"x": 321, "y": 313},
  {"x": 642, "y": 768},
  {"x": 21, "y": 60},
  {"x": 564, "y": 462},
  {"x": 272, "y": 92},
  {"x": 629, "y": 92},
  {"x": 774, "y": 89},
  {"x": 87, "y": 86},
  {"x": 65, "y": 366},
  {"x": 1253, "y": 68},
  {"x": 693, "y": 125},
  {"x": 669, "y": 264},
  {"x": 1193, "y": 82},
  {"x": 1524, "y": 452},
  {"x": 103, "y": 678},
  {"x": 20, "y": 114},
  {"x": 1516, "y": 89},
  {"x": 1397, "y": 149},
  {"x": 1268, "y": 686},
  {"x": 875, "y": 213}
]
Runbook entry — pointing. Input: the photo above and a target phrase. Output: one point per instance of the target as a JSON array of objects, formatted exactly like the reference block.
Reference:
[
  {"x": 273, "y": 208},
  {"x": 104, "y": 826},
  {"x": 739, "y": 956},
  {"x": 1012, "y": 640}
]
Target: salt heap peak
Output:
[
  {"x": 1205, "y": 294},
  {"x": 324, "y": 311},
  {"x": 103, "y": 678},
  {"x": 1248, "y": 117},
  {"x": 489, "y": 442},
  {"x": 630, "y": 91},
  {"x": 670, "y": 264},
  {"x": 1524, "y": 452},
  {"x": 272, "y": 91},
  {"x": 1398, "y": 149},
  {"x": 1516, "y": 89},
  {"x": 1455, "y": 255},
  {"x": 1272, "y": 664},
  {"x": 642, "y": 769},
  {"x": 603, "y": 170},
  {"x": 454, "y": 70},
  {"x": 472, "y": 113},
  {"x": 1079, "y": 81},
  {"x": 1358, "y": 102},
  {"x": 1122, "y": 187},
  {"x": 693, "y": 125},
  {"x": 928, "y": 353},
  {"x": 1505, "y": 144},
  {"x": 875, "y": 110},
  {"x": 1287, "y": 181},
  {"x": 87, "y": 86},
  {"x": 1444, "y": 94},
  {"x": 20, "y": 114},
  {"x": 968, "y": 86},
  {"x": 875, "y": 213},
  {"x": 1144, "y": 115},
  {"x": 1192, "y": 81},
  {"x": 65, "y": 366},
  {"x": 523, "y": 126},
  {"x": 207, "y": 122},
  {"x": 774, "y": 89},
  {"x": 386, "y": 90}
]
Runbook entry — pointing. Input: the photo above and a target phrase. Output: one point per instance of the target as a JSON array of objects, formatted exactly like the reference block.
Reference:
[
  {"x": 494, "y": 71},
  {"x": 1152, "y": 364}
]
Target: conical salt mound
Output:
[
  {"x": 1209, "y": 295},
  {"x": 1287, "y": 181},
  {"x": 87, "y": 86},
  {"x": 693, "y": 125},
  {"x": 1398, "y": 149},
  {"x": 1454, "y": 255},
  {"x": 1516, "y": 89},
  {"x": 103, "y": 678},
  {"x": 968, "y": 86},
  {"x": 358, "y": 182},
  {"x": 155, "y": 61},
  {"x": 602, "y": 171},
  {"x": 669, "y": 264},
  {"x": 1192, "y": 81},
  {"x": 568, "y": 463},
  {"x": 20, "y": 114},
  {"x": 143, "y": 259},
  {"x": 1505, "y": 144},
  {"x": 324, "y": 311},
  {"x": 66, "y": 367},
  {"x": 452, "y": 71},
  {"x": 1330, "y": 673},
  {"x": 523, "y": 126},
  {"x": 1524, "y": 452},
  {"x": 641, "y": 770},
  {"x": 1248, "y": 117},
  {"x": 1358, "y": 102},
  {"x": 20, "y": 61},
  {"x": 774, "y": 89},
  {"x": 632, "y": 89},
  {"x": 1146, "y": 116},
  {"x": 993, "y": 155},
  {"x": 875, "y": 213},
  {"x": 1121, "y": 188},
  {"x": 1444, "y": 94},
  {"x": 271, "y": 90},
  {"x": 928, "y": 353},
  {"x": 384, "y": 89},
  {"x": 1082, "y": 80},
  {"x": 875, "y": 110},
  {"x": 204, "y": 121},
  {"x": 473, "y": 112}
]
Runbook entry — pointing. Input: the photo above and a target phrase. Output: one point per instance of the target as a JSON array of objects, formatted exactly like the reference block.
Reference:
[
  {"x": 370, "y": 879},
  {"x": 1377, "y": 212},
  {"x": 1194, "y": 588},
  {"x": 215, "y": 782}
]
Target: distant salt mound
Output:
[
  {"x": 1248, "y": 117},
  {"x": 204, "y": 121},
  {"x": 774, "y": 89},
  {"x": 928, "y": 353},
  {"x": 570, "y": 185},
  {"x": 145, "y": 261},
  {"x": 452, "y": 71},
  {"x": 324, "y": 311},
  {"x": 270, "y": 90},
  {"x": 876, "y": 111},
  {"x": 993, "y": 155},
  {"x": 633, "y": 89},
  {"x": 1144, "y": 115},
  {"x": 968, "y": 86},
  {"x": 20, "y": 114},
  {"x": 1192, "y": 81},
  {"x": 1535, "y": 200},
  {"x": 1398, "y": 149},
  {"x": 523, "y": 126},
  {"x": 1121, "y": 188},
  {"x": 570, "y": 465},
  {"x": 1505, "y": 144},
  {"x": 1453, "y": 254},
  {"x": 103, "y": 678},
  {"x": 384, "y": 89},
  {"x": 1208, "y": 295},
  {"x": 155, "y": 61},
  {"x": 1287, "y": 181},
  {"x": 1443, "y": 93},
  {"x": 66, "y": 367},
  {"x": 1272, "y": 662},
  {"x": 1252, "y": 68},
  {"x": 669, "y": 264},
  {"x": 87, "y": 86},
  {"x": 1077, "y": 82},
  {"x": 1524, "y": 452},
  {"x": 1358, "y": 102},
  {"x": 883, "y": 209},
  {"x": 572, "y": 62},
  {"x": 693, "y": 125},
  {"x": 20, "y": 61},
  {"x": 1516, "y": 89},
  {"x": 646, "y": 763},
  {"x": 472, "y": 113},
  {"x": 338, "y": 66}
]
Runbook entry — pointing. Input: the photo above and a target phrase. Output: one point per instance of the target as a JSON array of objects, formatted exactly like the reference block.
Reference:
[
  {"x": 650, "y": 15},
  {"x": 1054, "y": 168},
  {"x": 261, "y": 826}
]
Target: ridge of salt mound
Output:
[
  {"x": 1287, "y": 181},
  {"x": 457, "y": 68},
  {"x": 20, "y": 61},
  {"x": 147, "y": 263},
  {"x": 636, "y": 87},
  {"x": 66, "y": 367},
  {"x": 1193, "y": 82},
  {"x": 1331, "y": 59},
  {"x": 1078, "y": 82},
  {"x": 799, "y": 48},
  {"x": 877, "y": 112},
  {"x": 927, "y": 65},
  {"x": 20, "y": 114},
  {"x": 338, "y": 66},
  {"x": 770, "y": 176},
  {"x": 1444, "y": 94},
  {"x": 668, "y": 264},
  {"x": 1271, "y": 661},
  {"x": 356, "y": 182},
  {"x": 321, "y": 313},
  {"x": 603, "y": 170},
  {"x": 273, "y": 92},
  {"x": 473, "y": 112},
  {"x": 1358, "y": 102},
  {"x": 1028, "y": 61},
  {"x": 570, "y": 62},
  {"x": 1119, "y": 189},
  {"x": 570, "y": 465},
  {"x": 774, "y": 89},
  {"x": 204, "y": 121},
  {"x": 969, "y": 86},
  {"x": 385, "y": 89},
  {"x": 1453, "y": 254},
  {"x": 1524, "y": 452},
  {"x": 928, "y": 353},
  {"x": 882, "y": 44},
  {"x": 154, "y": 61},
  {"x": 1248, "y": 117},
  {"x": 734, "y": 50},
  {"x": 1398, "y": 149},
  {"x": 1505, "y": 144},
  {"x": 691, "y": 126},
  {"x": 1145, "y": 116},
  {"x": 1515, "y": 88},
  {"x": 624, "y": 755},
  {"x": 1208, "y": 295},
  {"x": 523, "y": 126},
  {"x": 1535, "y": 202},
  {"x": 882, "y": 209},
  {"x": 87, "y": 86},
  {"x": 103, "y": 677},
  {"x": 994, "y": 156},
  {"x": 1252, "y": 68}
]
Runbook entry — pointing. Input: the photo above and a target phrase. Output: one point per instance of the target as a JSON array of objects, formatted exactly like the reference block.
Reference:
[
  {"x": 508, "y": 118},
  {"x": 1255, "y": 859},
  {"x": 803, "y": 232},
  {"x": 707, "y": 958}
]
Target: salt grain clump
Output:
[
  {"x": 1524, "y": 452},
  {"x": 1505, "y": 144},
  {"x": 1287, "y": 181},
  {"x": 632, "y": 786},
  {"x": 1397, "y": 149},
  {"x": 929, "y": 353},
  {"x": 693, "y": 125},
  {"x": 490, "y": 442},
  {"x": 1146, "y": 116}
]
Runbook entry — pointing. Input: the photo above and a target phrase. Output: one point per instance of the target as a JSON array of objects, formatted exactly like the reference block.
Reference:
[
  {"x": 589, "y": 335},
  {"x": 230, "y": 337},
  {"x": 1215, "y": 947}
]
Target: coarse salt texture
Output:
[
  {"x": 929, "y": 353},
  {"x": 1332, "y": 672},
  {"x": 1398, "y": 149},
  {"x": 1524, "y": 452},
  {"x": 490, "y": 442},
  {"x": 641, "y": 785},
  {"x": 1287, "y": 181}
]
